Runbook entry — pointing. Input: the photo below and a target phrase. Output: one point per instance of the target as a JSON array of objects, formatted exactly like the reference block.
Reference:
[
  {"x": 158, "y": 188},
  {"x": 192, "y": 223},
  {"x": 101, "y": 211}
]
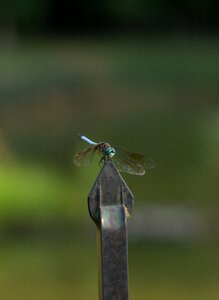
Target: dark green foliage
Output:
[{"x": 69, "y": 16}]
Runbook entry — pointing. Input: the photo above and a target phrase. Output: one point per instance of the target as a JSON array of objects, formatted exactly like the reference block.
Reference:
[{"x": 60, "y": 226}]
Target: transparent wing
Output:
[
  {"x": 84, "y": 157},
  {"x": 130, "y": 162}
]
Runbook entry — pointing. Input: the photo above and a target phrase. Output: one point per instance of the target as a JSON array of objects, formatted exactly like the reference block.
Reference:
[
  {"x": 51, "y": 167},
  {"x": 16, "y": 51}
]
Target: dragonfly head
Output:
[{"x": 110, "y": 152}]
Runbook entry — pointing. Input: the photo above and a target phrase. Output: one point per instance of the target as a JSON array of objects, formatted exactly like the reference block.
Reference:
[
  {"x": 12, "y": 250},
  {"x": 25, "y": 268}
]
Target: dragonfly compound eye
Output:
[{"x": 110, "y": 152}]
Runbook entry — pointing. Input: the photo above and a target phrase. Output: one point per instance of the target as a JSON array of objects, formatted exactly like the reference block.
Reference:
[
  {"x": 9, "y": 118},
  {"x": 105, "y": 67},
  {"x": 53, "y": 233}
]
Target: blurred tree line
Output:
[{"x": 43, "y": 16}]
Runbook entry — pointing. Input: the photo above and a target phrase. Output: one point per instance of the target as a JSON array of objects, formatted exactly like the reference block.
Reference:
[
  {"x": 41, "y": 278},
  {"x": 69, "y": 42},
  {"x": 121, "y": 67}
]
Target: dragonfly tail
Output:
[{"x": 87, "y": 140}]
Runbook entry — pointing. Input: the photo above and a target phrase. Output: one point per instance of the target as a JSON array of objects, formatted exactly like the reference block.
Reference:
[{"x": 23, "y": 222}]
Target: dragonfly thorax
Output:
[{"x": 106, "y": 149}]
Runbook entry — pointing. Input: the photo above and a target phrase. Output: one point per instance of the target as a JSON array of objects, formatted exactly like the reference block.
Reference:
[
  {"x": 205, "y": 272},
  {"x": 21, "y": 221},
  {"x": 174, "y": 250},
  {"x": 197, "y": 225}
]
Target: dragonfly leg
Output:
[{"x": 103, "y": 159}]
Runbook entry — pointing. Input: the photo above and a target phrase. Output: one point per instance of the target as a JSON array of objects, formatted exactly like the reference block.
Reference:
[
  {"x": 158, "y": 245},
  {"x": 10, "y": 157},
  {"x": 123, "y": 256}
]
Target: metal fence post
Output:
[{"x": 110, "y": 202}]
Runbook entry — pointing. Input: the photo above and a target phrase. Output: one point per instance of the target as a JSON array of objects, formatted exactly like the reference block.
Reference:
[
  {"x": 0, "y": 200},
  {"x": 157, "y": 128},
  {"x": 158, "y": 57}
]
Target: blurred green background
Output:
[{"x": 140, "y": 74}]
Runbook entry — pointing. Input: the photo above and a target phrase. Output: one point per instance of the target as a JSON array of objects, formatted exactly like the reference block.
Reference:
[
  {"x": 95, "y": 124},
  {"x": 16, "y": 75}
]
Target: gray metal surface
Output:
[{"x": 110, "y": 202}]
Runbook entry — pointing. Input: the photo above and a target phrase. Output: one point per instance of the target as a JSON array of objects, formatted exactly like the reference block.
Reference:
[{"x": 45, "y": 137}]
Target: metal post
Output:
[{"x": 110, "y": 202}]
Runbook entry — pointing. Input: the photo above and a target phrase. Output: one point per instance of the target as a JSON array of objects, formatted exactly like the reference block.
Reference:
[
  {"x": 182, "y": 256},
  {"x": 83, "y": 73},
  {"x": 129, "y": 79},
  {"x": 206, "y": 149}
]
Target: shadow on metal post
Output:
[{"x": 110, "y": 202}]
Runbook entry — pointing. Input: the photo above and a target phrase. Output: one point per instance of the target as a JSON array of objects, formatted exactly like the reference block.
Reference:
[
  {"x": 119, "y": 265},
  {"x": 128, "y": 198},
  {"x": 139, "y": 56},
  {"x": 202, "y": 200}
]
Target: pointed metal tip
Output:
[{"x": 109, "y": 189}]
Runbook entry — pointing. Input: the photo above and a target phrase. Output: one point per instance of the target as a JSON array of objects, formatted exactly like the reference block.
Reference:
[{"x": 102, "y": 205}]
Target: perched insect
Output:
[{"x": 124, "y": 160}]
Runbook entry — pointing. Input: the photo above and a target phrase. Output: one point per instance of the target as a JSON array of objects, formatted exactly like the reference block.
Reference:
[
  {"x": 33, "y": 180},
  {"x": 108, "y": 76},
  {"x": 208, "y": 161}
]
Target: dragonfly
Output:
[{"x": 124, "y": 160}]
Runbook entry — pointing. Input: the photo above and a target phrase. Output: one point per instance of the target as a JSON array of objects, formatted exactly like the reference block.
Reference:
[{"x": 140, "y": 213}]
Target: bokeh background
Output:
[{"x": 140, "y": 74}]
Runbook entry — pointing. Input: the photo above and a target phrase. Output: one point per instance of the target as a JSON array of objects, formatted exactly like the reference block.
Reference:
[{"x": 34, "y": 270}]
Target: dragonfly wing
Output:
[
  {"x": 130, "y": 162},
  {"x": 128, "y": 167},
  {"x": 84, "y": 157}
]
